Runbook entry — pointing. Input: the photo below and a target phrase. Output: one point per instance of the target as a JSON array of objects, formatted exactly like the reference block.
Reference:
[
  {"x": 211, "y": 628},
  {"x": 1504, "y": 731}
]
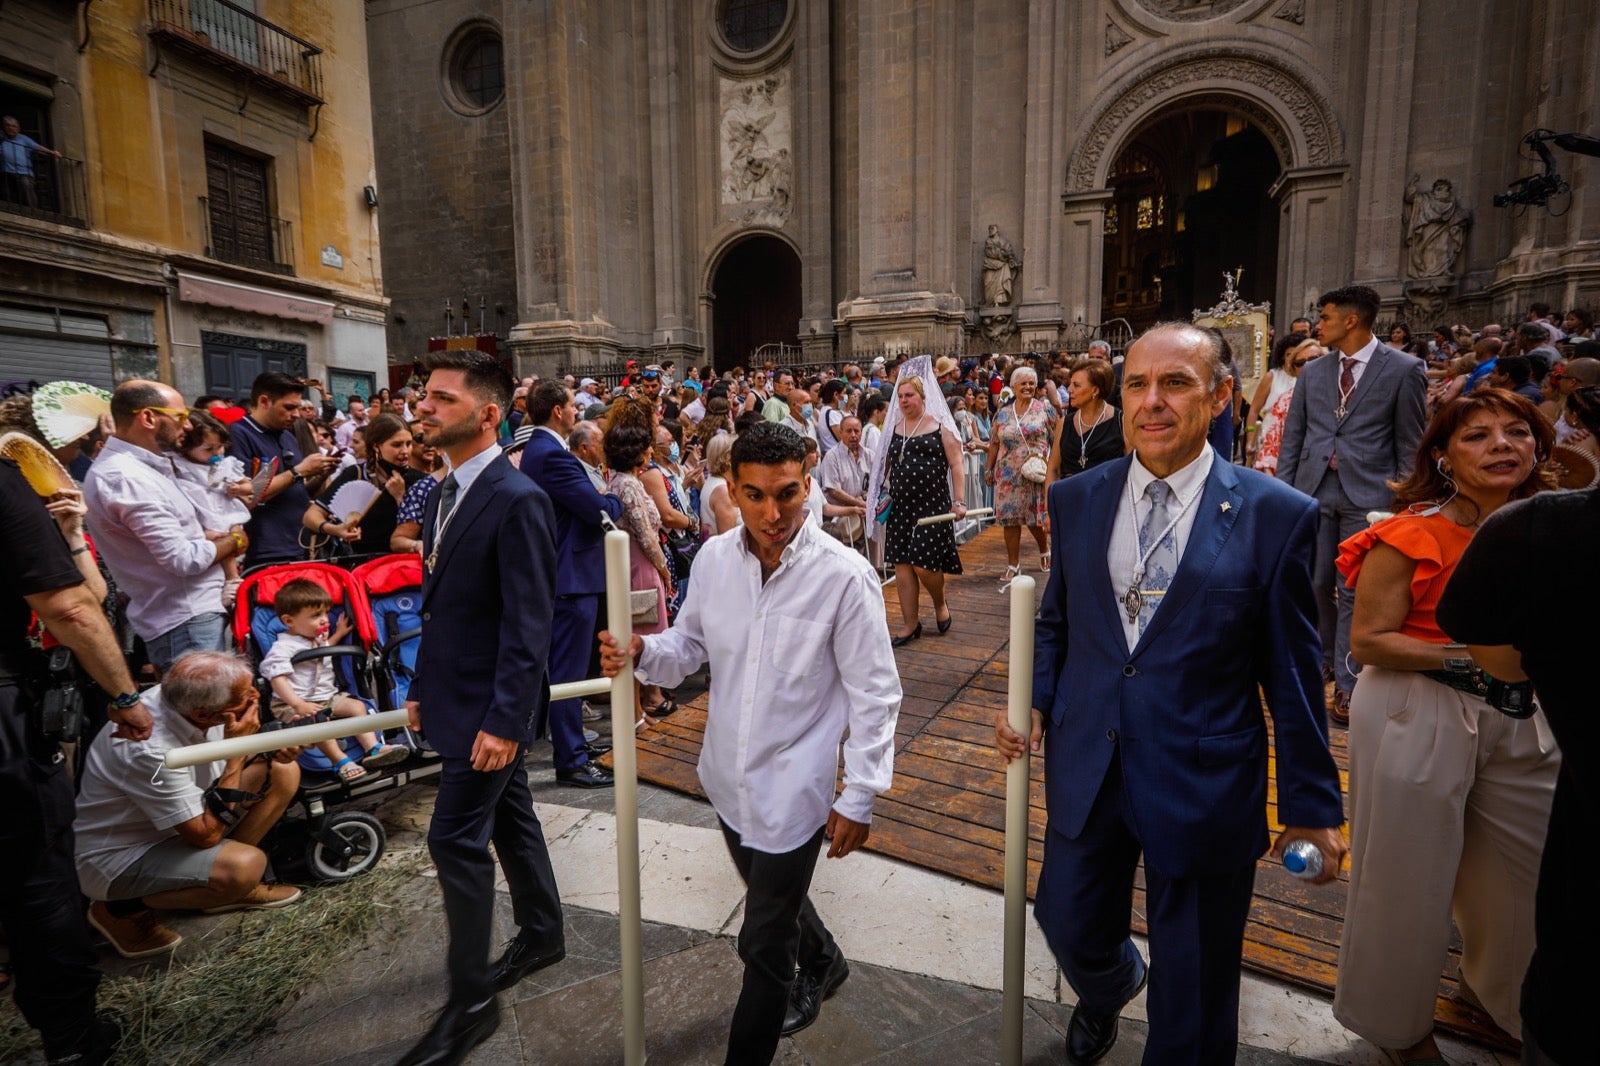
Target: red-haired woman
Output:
[{"x": 1449, "y": 797}]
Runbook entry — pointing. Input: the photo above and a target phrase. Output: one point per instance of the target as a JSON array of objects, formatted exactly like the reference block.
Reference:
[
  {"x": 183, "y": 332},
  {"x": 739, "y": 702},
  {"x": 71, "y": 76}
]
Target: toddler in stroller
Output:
[{"x": 300, "y": 691}]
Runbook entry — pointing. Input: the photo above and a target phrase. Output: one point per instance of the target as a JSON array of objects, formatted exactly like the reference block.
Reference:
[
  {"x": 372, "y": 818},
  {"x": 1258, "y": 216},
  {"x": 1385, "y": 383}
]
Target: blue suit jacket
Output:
[
  {"x": 483, "y": 660},
  {"x": 1184, "y": 706},
  {"x": 580, "y": 538}
]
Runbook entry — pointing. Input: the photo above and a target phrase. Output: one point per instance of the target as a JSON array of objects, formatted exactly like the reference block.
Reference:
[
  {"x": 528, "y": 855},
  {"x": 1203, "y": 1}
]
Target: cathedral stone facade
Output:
[{"x": 712, "y": 179}]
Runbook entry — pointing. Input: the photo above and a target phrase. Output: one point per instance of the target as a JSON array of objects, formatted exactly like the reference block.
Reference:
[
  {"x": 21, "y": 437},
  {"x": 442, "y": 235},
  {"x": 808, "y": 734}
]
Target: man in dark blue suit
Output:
[
  {"x": 1181, "y": 593},
  {"x": 489, "y": 554},
  {"x": 580, "y": 569}
]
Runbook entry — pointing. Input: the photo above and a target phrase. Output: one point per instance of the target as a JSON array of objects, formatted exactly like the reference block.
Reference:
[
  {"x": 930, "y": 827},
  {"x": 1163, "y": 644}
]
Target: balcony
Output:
[
  {"x": 55, "y": 193},
  {"x": 227, "y": 36},
  {"x": 260, "y": 242}
]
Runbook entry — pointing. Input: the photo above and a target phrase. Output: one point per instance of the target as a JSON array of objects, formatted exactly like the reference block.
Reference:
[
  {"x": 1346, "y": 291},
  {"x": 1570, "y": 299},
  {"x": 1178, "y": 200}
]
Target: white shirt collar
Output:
[
  {"x": 158, "y": 461},
  {"x": 554, "y": 434},
  {"x": 1184, "y": 482},
  {"x": 1363, "y": 355},
  {"x": 468, "y": 471},
  {"x": 796, "y": 545}
]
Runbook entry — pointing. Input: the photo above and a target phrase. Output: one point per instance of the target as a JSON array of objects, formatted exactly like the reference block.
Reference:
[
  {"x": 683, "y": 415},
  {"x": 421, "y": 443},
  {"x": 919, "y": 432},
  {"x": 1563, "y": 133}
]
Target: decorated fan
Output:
[
  {"x": 1575, "y": 468},
  {"x": 44, "y": 473},
  {"x": 353, "y": 500},
  {"x": 66, "y": 410}
]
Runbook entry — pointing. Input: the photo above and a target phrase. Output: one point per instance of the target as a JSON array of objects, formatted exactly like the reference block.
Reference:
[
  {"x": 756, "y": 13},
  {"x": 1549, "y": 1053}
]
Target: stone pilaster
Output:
[{"x": 1312, "y": 239}]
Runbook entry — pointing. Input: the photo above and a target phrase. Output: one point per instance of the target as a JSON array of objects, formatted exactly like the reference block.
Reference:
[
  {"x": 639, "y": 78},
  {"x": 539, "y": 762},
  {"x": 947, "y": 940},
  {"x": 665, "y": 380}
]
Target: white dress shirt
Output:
[
  {"x": 129, "y": 800},
  {"x": 795, "y": 661},
  {"x": 805, "y": 429},
  {"x": 344, "y": 431},
  {"x": 1123, "y": 554},
  {"x": 845, "y": 472},
  {"x": 149, "y": 534},
  {"x": 1362, "y": 357}
]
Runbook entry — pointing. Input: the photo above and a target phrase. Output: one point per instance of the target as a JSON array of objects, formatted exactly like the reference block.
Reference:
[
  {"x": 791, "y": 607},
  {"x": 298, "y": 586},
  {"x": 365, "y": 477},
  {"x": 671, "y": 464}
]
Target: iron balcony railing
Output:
[
  {"x": 55, "y": 191},
  {"x": 259, "y": 241},
  {"x": 226, "y": 35}
]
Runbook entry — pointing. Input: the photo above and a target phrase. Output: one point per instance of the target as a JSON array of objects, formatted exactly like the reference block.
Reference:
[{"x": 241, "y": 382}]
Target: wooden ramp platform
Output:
[{"x": 946, "y": 811}]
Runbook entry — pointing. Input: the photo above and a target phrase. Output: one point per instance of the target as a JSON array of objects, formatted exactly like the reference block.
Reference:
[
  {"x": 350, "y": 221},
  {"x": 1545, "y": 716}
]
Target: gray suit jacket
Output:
[{"x": 1378, "y": 436}]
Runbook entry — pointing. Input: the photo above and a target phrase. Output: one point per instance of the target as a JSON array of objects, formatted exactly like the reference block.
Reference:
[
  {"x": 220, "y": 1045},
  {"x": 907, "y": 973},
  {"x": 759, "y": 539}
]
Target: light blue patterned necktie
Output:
[{"x": 1163, "y": 560}]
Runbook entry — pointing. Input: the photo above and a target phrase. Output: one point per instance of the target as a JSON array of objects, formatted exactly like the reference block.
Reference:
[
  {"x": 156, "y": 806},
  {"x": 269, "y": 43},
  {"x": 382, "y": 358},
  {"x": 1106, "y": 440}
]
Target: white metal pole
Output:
[
  {"x": 299, "y": 736},
  {"x": 1019, "y": 705},
  {"x": 625, "y": 770}
]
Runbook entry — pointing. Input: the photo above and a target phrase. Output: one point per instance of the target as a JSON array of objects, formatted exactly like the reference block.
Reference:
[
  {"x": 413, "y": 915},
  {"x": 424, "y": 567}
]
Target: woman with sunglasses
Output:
[
  {"x": 1263, "y": 434},
  {"x": 1449, "y": 797}
]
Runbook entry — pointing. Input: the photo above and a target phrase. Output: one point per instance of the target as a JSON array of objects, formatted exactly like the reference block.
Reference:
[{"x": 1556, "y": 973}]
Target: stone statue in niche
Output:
[
  {"x": 1435, "y": 225},
  {"x": 1000, "y": 268},
  {"x": 757, "y": 168}
]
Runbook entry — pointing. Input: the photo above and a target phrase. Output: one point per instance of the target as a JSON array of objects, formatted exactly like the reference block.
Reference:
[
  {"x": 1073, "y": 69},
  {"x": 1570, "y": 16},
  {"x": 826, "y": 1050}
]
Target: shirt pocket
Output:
[{"x": 799, "y": 645}]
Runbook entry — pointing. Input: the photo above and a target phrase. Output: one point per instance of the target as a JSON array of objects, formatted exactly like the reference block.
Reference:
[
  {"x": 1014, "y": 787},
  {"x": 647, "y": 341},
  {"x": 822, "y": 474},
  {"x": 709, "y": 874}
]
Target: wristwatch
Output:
[
  {"x": 295, "y": 476},
  {"x": 1457, "y": 661}
]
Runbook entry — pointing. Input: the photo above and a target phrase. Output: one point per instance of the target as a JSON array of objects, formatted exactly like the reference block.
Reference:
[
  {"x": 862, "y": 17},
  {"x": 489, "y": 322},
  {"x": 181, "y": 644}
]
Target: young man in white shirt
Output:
[{"x": 799, "y": 647}]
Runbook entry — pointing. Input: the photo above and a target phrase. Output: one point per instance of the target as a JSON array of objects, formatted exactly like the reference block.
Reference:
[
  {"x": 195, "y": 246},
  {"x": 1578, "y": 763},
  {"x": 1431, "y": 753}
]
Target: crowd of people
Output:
[{"x": 1364, "y": 476}]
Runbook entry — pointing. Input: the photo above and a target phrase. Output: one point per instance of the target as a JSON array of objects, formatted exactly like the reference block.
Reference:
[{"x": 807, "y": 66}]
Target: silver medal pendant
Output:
[
  {"x": 1133, "y": 603},
  {"x": 1339, "y": 412}
]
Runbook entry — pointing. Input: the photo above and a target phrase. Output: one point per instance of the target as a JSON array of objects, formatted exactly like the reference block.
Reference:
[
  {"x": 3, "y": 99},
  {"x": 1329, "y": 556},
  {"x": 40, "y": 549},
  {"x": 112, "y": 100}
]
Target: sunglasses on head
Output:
[{"x": 649, "y": 375}]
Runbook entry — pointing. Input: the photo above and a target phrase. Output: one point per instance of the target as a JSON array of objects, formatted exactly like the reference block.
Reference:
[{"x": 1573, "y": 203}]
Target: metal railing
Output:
[
  {"x": 260, "y": 241},
  {"x": 55, "y": 192},
  {"x": 229, "y": 36}
]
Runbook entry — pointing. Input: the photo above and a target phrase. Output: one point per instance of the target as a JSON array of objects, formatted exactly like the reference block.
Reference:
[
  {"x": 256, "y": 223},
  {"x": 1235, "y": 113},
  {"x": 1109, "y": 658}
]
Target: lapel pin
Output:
[{"x": 1226, "y": 506}]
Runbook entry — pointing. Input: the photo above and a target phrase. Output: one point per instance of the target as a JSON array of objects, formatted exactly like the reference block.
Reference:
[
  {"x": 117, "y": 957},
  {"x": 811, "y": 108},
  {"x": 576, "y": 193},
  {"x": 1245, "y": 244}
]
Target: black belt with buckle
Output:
[{"x": 1471, "y": 682}]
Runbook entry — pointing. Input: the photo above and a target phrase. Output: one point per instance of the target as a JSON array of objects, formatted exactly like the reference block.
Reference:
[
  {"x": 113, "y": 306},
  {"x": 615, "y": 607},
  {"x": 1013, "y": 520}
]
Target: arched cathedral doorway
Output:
[
  {"x": 755, "y": 300},
  {"x": 1189, "y": 200}
]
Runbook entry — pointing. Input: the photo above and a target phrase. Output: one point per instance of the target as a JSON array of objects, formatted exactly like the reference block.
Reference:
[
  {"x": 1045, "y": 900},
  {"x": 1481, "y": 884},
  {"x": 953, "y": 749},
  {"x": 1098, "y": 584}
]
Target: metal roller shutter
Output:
[{"x": 44, "y": 345}]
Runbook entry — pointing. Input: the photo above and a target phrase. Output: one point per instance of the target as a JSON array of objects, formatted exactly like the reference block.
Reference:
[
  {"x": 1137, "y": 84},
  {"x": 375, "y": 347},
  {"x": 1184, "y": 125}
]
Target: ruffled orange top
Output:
[{"x": 1435, "y": 543}]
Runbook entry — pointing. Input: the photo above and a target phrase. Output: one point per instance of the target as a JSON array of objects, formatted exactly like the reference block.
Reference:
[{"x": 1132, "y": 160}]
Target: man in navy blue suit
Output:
[
  {"x": 580, "y": 569},
  {"x": 489, "y": 554},
  {"x": 1180, "y": 595}
]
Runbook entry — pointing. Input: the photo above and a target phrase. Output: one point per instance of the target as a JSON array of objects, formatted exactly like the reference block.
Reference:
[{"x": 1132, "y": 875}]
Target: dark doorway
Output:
[
  {"x": 1189, "y": 200},
  {"x": 756, "y": 300}
]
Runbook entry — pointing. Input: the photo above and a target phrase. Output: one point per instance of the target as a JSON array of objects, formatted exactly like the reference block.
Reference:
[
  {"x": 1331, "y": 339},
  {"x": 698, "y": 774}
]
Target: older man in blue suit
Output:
[
  {"x": 1180, "y": 595},
  {"x": 489, "y": 555},
  {"x": 580, "y": 569}
]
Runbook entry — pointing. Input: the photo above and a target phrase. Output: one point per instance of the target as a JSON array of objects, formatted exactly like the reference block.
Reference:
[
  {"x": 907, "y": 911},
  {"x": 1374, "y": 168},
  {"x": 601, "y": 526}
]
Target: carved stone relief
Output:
[
  {"x": 1189, "y": 10},
  {"x": 1116, "y": 37},
  {"x": 1310, "y": 112},
  {"x": 757, "y": 146},
  {"x": 1292, "y": 11}
]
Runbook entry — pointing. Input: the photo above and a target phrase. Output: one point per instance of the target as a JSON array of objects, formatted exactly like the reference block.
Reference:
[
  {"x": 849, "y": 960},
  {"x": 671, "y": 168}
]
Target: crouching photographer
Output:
[
  {"x": 52, "y": 958},
  {"x": 152, "y": 837}
]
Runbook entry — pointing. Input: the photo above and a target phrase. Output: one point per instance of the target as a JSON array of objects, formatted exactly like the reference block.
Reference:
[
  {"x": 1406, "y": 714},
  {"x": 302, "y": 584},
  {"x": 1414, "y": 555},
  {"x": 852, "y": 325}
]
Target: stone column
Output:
[
  {"x": 1312, "y": 239},
  {"x": 677, "y": 333},
  {"x": 813, "y": 143},
  {"x": 1390, "y": 67},
  {"x": 1083, "y": 254},
  {"x": 1038, "y": 298}
]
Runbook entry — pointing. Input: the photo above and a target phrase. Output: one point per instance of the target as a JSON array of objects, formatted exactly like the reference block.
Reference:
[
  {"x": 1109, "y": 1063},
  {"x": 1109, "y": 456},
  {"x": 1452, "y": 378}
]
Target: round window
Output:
[
  {"x": 748, "y": 25},
  {"x": 477, "y": 70}
]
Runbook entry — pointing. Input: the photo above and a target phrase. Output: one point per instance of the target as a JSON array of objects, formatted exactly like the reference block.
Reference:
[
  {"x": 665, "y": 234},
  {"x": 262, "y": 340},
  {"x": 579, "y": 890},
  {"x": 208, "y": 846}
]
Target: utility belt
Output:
[{"x": 52, "y": 698}]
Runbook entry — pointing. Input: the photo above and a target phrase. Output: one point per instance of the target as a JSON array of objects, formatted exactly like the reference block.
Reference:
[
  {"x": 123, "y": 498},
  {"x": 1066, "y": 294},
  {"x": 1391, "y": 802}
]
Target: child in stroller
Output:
[{"x": 306, "y": 689}]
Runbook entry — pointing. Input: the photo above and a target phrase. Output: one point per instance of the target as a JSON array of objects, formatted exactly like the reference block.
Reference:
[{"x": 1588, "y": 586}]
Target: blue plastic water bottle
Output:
[{"x": 1303, "y": 859}]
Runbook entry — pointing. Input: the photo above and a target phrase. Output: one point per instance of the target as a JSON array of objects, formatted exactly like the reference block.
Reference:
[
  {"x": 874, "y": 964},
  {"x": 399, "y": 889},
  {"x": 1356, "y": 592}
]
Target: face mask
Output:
[
  {"x": 672, "y": 452},
  {"x": 806, "y": 410}
]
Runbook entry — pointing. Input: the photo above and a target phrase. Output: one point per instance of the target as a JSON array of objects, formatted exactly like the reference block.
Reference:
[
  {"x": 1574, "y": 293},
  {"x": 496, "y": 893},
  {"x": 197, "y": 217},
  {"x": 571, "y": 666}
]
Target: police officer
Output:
[{"x": 41, "y": 907}]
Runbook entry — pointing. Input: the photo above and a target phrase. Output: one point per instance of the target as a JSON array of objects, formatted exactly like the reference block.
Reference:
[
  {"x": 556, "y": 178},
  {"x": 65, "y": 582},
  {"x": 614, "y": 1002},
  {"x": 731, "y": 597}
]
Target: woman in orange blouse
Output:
[{"x": 1449, "y": 797}]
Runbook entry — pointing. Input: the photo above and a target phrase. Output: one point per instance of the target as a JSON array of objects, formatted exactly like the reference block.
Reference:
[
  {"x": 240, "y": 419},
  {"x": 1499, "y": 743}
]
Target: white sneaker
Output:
[{"x": 592, "y": 713}]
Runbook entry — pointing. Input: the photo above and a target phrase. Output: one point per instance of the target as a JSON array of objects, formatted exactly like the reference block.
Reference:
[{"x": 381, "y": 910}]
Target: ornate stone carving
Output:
[
  {"x": 1307, "y": 108},
  {"x": 757, "y": 164},
  {"x": 1189, "y": 10},
  {"x": 1000, "y": 267},
  {"x": 998, "y": 323},
  {"x": 1232, "y": 305},
  {"x": 1116, "y": 37},
  {"x": 1292, "y": 11},
  {"x": 1435, "y": 225}
]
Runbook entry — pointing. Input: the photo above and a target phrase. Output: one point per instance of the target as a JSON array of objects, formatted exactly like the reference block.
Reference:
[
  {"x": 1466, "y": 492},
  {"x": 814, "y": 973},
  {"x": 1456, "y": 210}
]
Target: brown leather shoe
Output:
[
  {"x": 1339, "y": 713},
  {"x": 138, "y": 936}
]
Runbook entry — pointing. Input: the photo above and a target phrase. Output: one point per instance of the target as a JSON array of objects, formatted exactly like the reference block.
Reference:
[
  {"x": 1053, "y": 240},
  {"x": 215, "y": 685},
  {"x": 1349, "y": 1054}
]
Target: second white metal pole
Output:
[
  {"x": 625, "y": 769},
  {"x": 1019, "y": 706}
]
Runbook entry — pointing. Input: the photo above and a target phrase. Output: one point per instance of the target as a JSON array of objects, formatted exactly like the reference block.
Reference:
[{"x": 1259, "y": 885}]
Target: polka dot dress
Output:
[{"x": 919, "y": 483}]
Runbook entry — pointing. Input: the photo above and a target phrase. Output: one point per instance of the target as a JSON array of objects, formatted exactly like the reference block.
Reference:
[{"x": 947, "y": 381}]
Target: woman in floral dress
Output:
[{"x": 1021, "y": 431}]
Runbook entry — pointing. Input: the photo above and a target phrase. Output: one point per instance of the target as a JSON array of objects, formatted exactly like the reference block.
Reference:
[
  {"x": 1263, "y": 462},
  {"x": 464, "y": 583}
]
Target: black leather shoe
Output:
[
  {"x": 522, "y": 958},
  {"x": 1091, "y": 1036},
  {"x": 589, "y": 775},
  {"x": 455, "y": 1033},
  {"x": 810, "y": 989},
  {"x": 902, "y": 641},
  {"x": 596, "y": 748}
]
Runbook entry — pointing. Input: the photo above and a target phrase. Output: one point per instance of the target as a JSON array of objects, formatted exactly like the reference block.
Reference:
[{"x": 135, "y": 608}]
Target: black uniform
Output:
[{"x": 41, "y": 906}]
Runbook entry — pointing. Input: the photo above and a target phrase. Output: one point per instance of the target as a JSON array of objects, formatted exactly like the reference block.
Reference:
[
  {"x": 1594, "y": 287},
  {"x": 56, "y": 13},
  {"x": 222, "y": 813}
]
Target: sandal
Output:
[
  {"x": 1011, "y": 574},
  {"x": 383, "y": 755},
  {"x": 664, "y": 708},
  {"x": 348, "y": 770},
  {"x": 1044, "y": 562}
]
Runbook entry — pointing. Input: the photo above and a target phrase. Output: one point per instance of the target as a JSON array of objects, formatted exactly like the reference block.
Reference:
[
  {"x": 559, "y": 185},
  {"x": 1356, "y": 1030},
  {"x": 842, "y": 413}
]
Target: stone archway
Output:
[
  {"x": 755, "y": 298},
  {"x": 1276, "y": 96}
]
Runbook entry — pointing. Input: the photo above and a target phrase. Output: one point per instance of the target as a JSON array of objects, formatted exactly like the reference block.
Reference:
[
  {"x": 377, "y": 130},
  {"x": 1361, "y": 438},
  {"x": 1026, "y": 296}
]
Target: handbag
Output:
[
  {"x": 1034, "y": 470},
  {"x": 682, "y": 545},
  {"x": 644, "y": 605}
]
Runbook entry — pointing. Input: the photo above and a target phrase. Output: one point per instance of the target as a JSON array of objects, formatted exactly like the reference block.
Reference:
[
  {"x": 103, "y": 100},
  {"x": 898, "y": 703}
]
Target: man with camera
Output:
[
  {"x": 150, "y": 836},
  {"x": 51, "y": 954}
]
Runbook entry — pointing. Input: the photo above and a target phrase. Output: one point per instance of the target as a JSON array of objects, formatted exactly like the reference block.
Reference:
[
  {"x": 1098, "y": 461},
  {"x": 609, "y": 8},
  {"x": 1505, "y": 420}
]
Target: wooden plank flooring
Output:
[{"x": 946, "y": 811}]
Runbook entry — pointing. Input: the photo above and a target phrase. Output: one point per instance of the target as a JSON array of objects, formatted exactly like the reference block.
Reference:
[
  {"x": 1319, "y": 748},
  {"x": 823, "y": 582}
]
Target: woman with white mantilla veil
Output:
[{"x": 918, "y": 472}]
